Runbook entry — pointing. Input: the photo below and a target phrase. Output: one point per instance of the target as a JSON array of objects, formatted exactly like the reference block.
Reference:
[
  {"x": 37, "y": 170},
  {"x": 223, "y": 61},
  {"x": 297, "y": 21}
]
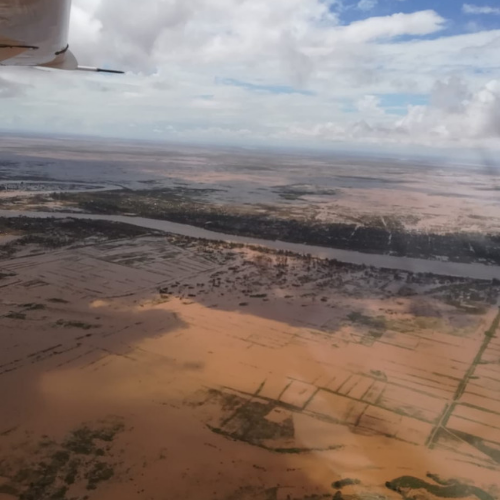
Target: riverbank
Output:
[
  {"x": 473, "y": 271},
  {"x": 133, "y": 360},
  {"x": 387, "y": 234}
]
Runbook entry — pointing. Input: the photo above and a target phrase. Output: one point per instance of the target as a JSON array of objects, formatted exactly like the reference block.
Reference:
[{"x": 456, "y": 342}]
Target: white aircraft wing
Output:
[{"x": 35, "y": 33}]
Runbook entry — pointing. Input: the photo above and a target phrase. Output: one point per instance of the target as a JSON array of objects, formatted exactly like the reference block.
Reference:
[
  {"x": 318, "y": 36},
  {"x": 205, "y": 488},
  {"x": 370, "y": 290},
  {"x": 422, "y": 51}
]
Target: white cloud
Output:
[
  {"x": 280, "y": 33},
  {"x": 451, "y": 96},
  {"x": 478, "y": 118},
  {"x": 260, "y": 70},
  {"x": 369, "y": 105},
  {"x": 367, "y": 5},
  {"x": 468, "y": 8},
  {"x": 419, "y": 23},
  {"x": 10, "y": 89},
  {"x": 475, "y": 123}
]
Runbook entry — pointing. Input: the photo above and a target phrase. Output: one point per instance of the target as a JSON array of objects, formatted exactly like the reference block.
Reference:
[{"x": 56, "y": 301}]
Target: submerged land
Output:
[
  {"x": 427, "y": 210},
  {"x": 138, "y": 363}
]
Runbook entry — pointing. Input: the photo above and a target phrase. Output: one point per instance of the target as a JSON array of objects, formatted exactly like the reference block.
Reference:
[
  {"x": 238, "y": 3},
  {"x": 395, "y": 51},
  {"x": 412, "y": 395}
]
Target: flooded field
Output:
[
  {"x": 472, "y": 270},
  {"x": 135, "y": 364},
  {"x": 424, "y": 195},
  {"x": 224, "y": 324}
]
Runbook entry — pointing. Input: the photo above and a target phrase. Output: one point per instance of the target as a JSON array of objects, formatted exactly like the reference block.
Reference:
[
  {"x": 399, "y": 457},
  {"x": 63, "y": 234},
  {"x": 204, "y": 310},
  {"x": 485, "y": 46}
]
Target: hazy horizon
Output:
[
  {"x": 356, "y": 74},
  {"x": 461, "y": 157}
]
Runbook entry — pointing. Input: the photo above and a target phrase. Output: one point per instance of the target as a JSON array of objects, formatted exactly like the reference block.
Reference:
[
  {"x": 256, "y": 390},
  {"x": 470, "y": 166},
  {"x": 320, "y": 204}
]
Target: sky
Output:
[{"x": 317, "y": 73}]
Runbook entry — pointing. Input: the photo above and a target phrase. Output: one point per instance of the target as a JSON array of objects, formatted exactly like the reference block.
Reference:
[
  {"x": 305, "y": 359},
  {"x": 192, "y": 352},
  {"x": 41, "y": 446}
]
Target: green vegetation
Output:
[
  {"x": 378, "y": 322},
  {"x": 468, "y": 308},
  {"x": 8, "y": 489},
  {"x": 33, "y": 307},
  {"x": 16, "y": 315},
  {"x": 58, "y": 301},
  {"x": 247, "y": 422},
  {"x": 100, "y": 472},
  {"x": 55, "y": 467},
  {"x": 286, "y": 451},
  {"x": 444, "y": 489},
  {"x": 274, "y": 222},
  {"x": 380, "y": 375},
  {"x": 228, "y": 402},
  {"x": 83, "y": 440},
  {"x": 72, "y": 471},
  {"x": 58, "y": 233},
  {"x": 338, "y": 485},
  {"x": 494, "y": 327},
  {"x": 76, "y": 324}
]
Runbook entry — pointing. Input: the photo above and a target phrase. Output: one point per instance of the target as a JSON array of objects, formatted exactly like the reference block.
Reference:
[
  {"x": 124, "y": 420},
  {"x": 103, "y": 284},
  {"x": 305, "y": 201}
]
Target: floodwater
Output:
[
  {"x": 473, "y": 271},
  {"x": 44, "y": 187},
  {"x": 7, "y": 239}
]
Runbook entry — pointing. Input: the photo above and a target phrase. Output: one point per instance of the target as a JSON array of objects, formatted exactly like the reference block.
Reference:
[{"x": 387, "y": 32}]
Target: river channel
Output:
[{"x": 473, "y": 270}]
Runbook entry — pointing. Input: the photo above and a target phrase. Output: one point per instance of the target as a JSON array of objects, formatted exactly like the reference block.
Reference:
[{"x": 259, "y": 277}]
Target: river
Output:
[{"x": 474, "y": 270}]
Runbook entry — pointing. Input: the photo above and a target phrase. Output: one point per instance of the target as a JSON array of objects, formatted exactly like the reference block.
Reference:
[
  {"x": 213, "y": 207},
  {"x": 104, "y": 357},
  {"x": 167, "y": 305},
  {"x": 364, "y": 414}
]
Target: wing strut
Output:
[
  {"x": 99, "y": 70},
  {"x": 66, "y": 60}
]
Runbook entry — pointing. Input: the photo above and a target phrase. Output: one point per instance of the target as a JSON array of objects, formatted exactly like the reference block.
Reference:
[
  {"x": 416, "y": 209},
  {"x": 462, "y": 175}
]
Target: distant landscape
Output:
[
  {"x": 204, "y": 359},
  {"x": 386, "y": 206}
]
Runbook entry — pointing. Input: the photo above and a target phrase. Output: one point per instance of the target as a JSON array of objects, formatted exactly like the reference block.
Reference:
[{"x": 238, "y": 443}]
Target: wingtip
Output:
[
  {"x": 100, "y": 70},
  {"x": 114, "y": 71}
]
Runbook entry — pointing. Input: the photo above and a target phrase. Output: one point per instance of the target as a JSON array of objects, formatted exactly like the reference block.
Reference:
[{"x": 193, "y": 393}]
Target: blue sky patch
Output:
[
  {"x": 272, "y": 89},
  {"x": 458, "y": 21},
  {"x": 398, "y": 103}
]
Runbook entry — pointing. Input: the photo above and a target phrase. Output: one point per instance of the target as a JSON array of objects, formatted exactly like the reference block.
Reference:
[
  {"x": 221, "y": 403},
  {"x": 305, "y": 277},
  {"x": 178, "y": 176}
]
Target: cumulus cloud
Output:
[
  {"x": 280, "y": 70},
  {"x": 370, "y": 105},
  {"x": 419, "y": 23},
  {"x": 366, "y": 5},
  {"x": 9, "y": 88},
  {"x": 468, "y": 8},
  {"x": 163, "y": 30},
  {"x": 451, "y": 96},
  {"x": 476, "y": 121},
  {"x": 208, "y": 31},
  {"x": 478, "y": 118}
]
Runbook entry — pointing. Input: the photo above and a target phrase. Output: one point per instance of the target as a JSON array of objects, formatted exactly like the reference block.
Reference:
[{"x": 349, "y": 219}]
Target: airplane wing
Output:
[
  {"x": 10, "y": 49},
  {"x": 35, "y": 33}
]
